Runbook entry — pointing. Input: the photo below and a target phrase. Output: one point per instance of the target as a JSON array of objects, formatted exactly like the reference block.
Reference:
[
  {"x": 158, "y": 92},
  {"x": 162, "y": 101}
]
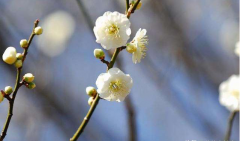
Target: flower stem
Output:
[
  {"x": 17, "y": 86},
  {"x": 86, "y": 119},
  {"x": 114, "y": 57},
  {"x": 230, "y": 123},
  {"x": 95, "y": 102}
]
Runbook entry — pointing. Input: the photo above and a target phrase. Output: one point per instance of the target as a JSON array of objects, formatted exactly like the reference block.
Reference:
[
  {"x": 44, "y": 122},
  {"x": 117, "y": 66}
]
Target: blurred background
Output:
[{"x": 175, "y": 93}]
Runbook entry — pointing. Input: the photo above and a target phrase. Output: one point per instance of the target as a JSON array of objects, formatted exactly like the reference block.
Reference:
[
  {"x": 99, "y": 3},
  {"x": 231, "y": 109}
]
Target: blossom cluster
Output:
[
  {"x": 230, "y": 89},
  {"x": 11, "y": 57},
  {"x": 112, "y": 31}
]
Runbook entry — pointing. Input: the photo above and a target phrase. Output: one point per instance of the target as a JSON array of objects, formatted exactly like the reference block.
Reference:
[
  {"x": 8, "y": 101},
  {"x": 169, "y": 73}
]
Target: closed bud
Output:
[
  {"x": 28, "y": 77},
  {"x": 38, "y": 30},
  {"x": 23, "y": 43},
  {"x": 18, "y": 64},
  {"x": 131, "y": 48},
  {"x": 31, "y": 85},
  {"x": 8, "y": 90},
  {"x": 1, "y": 96},
  {"x": 19, "y": 56},
  {"x": 138, "y": 6},
  {"x": 99, "y": 53},
  {"x": 91, "y": 91},
  {"x": 9, "y": 56},
  {"x": 90, "y": 101}
]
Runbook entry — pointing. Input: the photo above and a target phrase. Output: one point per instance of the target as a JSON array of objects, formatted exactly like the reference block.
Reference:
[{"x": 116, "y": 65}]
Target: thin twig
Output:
[
  {"x": 86, "y": 119},
  {"x": 127, "y": 5},
  {"x": 132, "y": 8},
  {"x": 230, "y": 123},
  {"x": 18, "y": 84},
  {"x": 105, "y": 62}
]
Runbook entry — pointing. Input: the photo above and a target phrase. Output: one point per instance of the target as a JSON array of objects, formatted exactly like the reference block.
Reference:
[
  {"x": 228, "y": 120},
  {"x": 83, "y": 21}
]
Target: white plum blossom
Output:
[
  {"x": 237, "y": 48},
  {"x": 114, "y": 85},
  {"x": 229, "y": 93},
  {"x": 9, "y": 56},
  {"x": 138, "y": 46},
  {"x": 112, "y": 30}
]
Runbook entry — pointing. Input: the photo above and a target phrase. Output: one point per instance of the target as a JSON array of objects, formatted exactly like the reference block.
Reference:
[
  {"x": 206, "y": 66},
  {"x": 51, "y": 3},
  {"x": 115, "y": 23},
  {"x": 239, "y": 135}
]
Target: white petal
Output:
[
  {"x": 103, "y": 94},
  {"x": 113, "y": 71}
]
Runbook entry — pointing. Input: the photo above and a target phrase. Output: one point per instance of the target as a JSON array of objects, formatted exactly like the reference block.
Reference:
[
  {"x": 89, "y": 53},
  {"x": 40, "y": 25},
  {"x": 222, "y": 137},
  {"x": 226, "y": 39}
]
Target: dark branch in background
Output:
[
  {"x": 132, "y": 124},
  {"x": 128, "y": 101},
  {"x": 184, "y": 54},
  {"x": 17, "y": 86}
]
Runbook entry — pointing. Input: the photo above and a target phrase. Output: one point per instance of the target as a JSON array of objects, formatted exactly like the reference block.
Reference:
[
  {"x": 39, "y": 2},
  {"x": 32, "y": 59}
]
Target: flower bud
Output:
[
  {"x": 8, "y": 90},
  {"x": 19, "y": 56},
  {"x": 90, "y": 101},
  {"x": 23, "y": 43},
  {"x": 1, "y": 97},
  {"x": 91, "y": 91},
  {"x": 131, "y": 48},
  {"x": 31, "y": 85},
  {"x": 28, "y": 77},
  {"x": 99, "y": 53},
  {"x": 38, "y": 30},
  {"x": 9, "y": 56},
  {"x": 138, "y": 6},
  {"x": 18, "y": 64}
]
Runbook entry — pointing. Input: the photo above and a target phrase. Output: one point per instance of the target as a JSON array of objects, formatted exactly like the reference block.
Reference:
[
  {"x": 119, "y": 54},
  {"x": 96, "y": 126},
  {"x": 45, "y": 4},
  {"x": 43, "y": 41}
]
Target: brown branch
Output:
[
  {"x": 132, "y": 9},
  {"x": 105, "y": 62}
]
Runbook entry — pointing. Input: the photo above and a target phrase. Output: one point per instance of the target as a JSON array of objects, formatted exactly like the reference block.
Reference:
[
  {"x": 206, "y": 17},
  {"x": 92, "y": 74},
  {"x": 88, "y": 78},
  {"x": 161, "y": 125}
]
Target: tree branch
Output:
[
  {"x": 132, "y": 8},
  {"x": 18, "y": 84}
]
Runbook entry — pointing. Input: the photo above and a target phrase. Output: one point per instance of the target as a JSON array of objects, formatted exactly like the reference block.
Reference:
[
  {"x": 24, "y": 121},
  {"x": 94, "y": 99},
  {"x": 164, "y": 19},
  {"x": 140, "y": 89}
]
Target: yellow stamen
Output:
[{"x": 113, "y": 30}]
